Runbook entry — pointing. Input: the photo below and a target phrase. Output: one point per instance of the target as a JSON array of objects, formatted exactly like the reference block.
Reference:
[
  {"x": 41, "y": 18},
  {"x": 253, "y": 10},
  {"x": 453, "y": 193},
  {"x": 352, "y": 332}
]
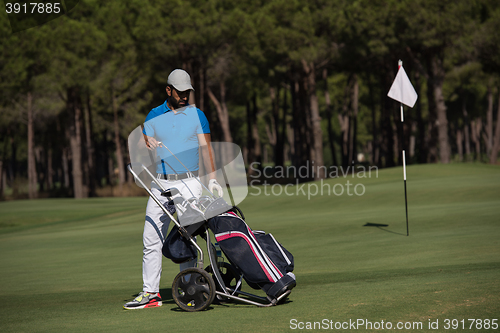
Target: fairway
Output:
[{"x": 70, "y": 265}]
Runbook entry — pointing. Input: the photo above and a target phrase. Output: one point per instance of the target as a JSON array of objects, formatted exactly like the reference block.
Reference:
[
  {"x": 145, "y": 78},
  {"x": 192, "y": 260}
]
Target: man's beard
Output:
[{"x": 176, "y": 103}]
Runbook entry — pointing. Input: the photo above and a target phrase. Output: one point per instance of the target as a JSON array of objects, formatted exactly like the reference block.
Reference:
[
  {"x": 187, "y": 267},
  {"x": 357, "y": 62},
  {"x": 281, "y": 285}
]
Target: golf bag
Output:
[{"x": 264, "y": 263}]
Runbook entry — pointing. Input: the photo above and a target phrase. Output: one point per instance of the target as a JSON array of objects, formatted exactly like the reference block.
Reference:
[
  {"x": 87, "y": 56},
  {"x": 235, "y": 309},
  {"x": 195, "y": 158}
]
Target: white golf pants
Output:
[{"x": 156, "y": 228}]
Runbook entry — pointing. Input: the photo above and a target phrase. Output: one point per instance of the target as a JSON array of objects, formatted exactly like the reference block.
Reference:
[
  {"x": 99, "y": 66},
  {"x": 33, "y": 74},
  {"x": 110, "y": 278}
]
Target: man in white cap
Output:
[{"x": 183, "y": 129}]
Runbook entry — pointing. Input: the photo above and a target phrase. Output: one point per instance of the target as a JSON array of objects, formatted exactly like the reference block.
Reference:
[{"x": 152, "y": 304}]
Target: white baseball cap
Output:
[{"x": 180, "y": 80}]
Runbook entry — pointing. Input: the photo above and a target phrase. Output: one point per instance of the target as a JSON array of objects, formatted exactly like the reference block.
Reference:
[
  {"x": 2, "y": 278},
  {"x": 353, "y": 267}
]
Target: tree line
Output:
[{"x": 291, "y": 81}]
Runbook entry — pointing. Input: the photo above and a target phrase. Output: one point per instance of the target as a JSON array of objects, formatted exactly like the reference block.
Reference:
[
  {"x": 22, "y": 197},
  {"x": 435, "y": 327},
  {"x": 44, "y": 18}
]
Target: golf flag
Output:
[
  {"x": 403, "y": 92},
  {"x": 402, "y": 89}
]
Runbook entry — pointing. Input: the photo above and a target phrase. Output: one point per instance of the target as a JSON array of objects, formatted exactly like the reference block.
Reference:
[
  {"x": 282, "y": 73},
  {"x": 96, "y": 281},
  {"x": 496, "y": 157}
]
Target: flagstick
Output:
[
  {"x": 400, "y": 63},
  {"x": 402, "y": 91},
  {"x": 404, "y": 171}
]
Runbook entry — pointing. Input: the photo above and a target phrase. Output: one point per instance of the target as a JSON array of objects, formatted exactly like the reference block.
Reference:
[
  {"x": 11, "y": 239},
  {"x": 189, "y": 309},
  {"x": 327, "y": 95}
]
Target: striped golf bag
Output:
[{"x": 264, "y": 263}]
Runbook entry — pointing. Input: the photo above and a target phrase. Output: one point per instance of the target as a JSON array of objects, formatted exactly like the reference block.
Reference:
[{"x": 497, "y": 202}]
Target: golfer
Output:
[{"x": 184, "y": 129}]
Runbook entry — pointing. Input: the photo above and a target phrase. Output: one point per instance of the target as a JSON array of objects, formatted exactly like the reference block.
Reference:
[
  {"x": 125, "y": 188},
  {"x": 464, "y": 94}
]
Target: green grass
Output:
[{"x": 69, "y": 265}]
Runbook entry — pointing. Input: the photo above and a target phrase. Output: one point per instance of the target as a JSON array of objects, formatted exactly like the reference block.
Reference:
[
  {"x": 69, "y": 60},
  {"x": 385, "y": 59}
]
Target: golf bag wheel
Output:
[
  {"x": 229, "y": 275},
  {"x": 193, "y": 289}
]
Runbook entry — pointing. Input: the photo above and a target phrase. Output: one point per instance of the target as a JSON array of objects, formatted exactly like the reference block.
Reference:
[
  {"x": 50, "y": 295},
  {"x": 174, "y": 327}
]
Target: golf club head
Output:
[{"x": 170, "y": 192}]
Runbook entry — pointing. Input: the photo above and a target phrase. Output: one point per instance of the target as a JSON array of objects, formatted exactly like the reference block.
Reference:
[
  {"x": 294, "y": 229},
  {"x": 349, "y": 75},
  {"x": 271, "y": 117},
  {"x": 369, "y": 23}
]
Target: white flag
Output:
[{"x": 402, "y": 90}]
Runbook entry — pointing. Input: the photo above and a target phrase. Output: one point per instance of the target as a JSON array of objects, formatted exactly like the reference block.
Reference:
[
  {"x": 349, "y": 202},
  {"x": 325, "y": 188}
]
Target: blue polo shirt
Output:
[{"x": 179, "y": 132}]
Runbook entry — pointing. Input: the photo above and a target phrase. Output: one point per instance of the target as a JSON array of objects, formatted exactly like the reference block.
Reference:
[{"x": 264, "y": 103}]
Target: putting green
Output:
[{"x": 69, "y": 265}]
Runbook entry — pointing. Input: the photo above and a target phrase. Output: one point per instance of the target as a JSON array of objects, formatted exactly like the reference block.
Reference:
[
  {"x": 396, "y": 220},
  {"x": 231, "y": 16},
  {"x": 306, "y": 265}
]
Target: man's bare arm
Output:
[
  {"x": 207, "y": 154},
  {"x": 150, "y": 142}
]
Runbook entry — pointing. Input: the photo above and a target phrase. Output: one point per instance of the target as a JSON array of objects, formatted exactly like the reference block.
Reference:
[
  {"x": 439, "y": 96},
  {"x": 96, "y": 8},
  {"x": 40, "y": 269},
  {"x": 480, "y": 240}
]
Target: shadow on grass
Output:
[
  {"x": 166, "y": 296},
  {"x": 381, "y": 227},
  {"x": 181, "y": 310}
]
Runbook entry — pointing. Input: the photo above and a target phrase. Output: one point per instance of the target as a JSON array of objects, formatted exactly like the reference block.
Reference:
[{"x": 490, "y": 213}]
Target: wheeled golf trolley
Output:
[{"x": 195, "y": 288}]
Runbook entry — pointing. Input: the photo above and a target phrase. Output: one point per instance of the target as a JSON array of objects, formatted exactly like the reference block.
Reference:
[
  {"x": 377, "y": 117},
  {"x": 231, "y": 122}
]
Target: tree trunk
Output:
[
  {"x": 76, "y": 143},
  {"x": 253, "y": 142},
  {"x": 387, "y": 131},
  {"x": 295, "y": 145},
  {"x": 317, "y": 132},
  {"x": 89, "y": 143},
  {"x": 50, "y": 170},
  {"x": 13, "y": 160},
  {"x": 344, "y": 121},
  {"x": 496, "y": 140},
  {"x": 460, "y": 145},
  {"x": 4, "y": 167},
  {"x": 118, "y": 146},
  {"x": 271, "y": 134},
  {"x": 466, "y": 132},
  {"x": 476, "y": 126},
  {"x": 411, "y": 148},
  {"x": 3, "y": 163},
  {"x": 255, "y": 132},
  {"x": 399, "y": 133},
  {"x": 2, "y": 175},
  {"x": 331, "y": 136},
  {"x": 278, "y": 138},
  {"x": 284, "y": 126},
  {"x": 396, "y": 135},
  {"x": 444, "y": 145},
  {"x": 222, "y": 111},
  {"x": 65, "y": 168},
  {"x": 488, "y": 136},
  {"x": 420, "y": 141},
  {"x": 354, "y": 117},
  {"x": 250, "y": 155},
  {"x": 440, "y": 106},
  {"x": 41, "y": 173},
  {"x": 271, "y": 126},
  {"x": 309, "y": 152},
  {"x": 300, "y": 126},
  {"x": 107, "y": 160},
  {"x": 290, "y": 136},
  {"x": 2, "y": 179},
  {"x": 201, "y": 92},
  {"x": 432, "y": 132},
  {"x": 111, "y": 167},
  {"x": 76, "y": 162},
  {"x": 375, "y": 140},
  {"x": 32, "y": 176}
]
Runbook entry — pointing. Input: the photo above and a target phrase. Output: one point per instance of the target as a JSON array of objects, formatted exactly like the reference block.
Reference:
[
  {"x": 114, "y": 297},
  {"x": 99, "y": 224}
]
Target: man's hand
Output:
[
  {"x": 151, "y": 143},
  {"x": 213, "y": 185}
]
